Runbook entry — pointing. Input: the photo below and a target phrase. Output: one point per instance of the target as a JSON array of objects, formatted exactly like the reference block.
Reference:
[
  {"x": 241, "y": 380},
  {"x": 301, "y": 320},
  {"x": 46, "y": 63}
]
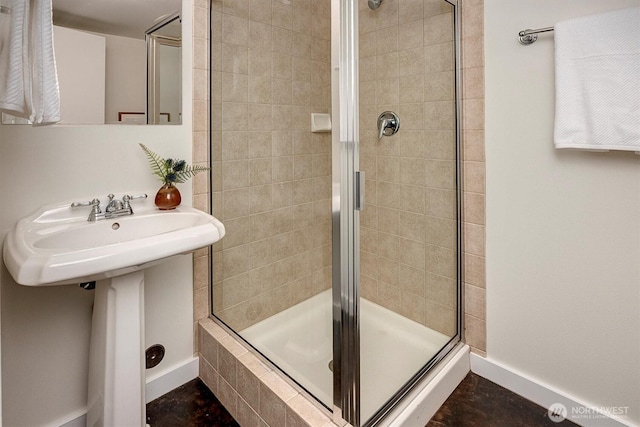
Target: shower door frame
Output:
[
  {"x": 346, "y": 221},
  {"x": 344, "y": 216}
]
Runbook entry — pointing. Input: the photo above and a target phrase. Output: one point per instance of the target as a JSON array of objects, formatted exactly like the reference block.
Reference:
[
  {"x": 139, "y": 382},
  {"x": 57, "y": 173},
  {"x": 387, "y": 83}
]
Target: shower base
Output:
[{"x": 392, "y": 348}]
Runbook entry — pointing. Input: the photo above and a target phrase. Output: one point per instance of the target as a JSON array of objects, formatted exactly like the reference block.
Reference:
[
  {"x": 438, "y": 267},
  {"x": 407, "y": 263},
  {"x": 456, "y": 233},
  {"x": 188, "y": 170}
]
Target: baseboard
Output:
[
  {"x": 167, "y": 381},
  {"x": 544, "y": 395},
  {"x": 77, "y": 419},
  {"x": 156, "y": 387},
  {"x": 436, "y": 388}
]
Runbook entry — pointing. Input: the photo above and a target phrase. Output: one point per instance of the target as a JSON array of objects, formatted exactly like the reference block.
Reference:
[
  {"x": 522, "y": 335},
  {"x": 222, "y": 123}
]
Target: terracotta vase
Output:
[{"x": 168, "y": 197}]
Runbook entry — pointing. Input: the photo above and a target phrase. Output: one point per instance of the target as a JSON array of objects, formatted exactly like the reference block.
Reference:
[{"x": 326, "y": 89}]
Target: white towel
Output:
[
  {"x": 45, "y": 94},
  {"x": 14, "y": 72},
  {"x": 597, "y": 62},
  {"x": 28, "y": 77}
]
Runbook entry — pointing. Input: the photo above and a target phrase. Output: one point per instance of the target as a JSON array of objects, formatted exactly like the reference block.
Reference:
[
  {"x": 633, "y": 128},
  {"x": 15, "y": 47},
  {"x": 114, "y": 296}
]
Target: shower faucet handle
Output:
[{"x": 388, "y": 124}]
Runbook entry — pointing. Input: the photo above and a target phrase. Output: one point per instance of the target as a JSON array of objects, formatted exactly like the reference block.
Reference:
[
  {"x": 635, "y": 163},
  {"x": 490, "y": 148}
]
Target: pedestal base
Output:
[{"x": 116, "y": 354}]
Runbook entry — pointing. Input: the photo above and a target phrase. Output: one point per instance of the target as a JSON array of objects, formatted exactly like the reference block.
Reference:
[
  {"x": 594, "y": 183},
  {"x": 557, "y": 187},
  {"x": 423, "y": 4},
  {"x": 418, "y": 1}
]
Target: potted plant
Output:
[{"x": 170, "y": 171}]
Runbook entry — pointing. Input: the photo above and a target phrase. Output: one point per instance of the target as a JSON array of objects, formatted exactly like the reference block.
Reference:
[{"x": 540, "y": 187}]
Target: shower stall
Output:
[{"x": 342, "y": 264}]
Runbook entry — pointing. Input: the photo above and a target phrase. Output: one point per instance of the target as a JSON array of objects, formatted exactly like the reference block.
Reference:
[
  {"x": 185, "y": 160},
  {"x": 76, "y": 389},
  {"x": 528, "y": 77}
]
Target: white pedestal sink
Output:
[
  {"x": 57, "y": 246},
  {"x": 116, "y": 353}
]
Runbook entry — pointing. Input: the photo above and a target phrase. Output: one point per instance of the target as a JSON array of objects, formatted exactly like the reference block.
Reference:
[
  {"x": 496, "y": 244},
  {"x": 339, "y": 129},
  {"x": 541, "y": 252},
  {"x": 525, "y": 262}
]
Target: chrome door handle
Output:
[{"x": 359, "y": 193}]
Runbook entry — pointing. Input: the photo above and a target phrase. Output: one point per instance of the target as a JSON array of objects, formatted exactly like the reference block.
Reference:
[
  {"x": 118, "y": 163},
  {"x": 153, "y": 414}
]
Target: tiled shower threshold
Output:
[{"x": 255, "y": 394}]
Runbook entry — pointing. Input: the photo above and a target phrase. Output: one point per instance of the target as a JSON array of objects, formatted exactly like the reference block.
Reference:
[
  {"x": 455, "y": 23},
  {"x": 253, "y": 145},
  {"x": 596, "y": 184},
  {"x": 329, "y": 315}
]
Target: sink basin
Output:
[{"x": 57, "y": 245}]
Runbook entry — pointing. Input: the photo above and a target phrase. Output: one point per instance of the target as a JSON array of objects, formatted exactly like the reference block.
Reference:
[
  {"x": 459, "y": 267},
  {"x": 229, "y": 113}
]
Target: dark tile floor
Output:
[
  {"x": 476, "y": 402},
  {"x": 190, "y": 405}
]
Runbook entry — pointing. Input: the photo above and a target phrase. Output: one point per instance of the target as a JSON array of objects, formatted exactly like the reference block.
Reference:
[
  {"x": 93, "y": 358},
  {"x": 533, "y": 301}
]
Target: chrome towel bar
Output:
[{"x": 527, "y": 37}]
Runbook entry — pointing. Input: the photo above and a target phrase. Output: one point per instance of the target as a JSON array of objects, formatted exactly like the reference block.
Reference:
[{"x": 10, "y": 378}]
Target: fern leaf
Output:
[
  {"x": 157, "y": 163},
  {"x": 171, "y": 170},
  {"x": 188, "y": 172}
]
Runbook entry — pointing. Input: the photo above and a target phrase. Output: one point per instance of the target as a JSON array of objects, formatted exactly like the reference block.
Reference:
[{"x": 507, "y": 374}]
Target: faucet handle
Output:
[
  {"x": 95, "y": 203},
  {"x": 127, "y": 198},
  {"x": 95, "y": 208},
  {"x": 388, "y": 124}
]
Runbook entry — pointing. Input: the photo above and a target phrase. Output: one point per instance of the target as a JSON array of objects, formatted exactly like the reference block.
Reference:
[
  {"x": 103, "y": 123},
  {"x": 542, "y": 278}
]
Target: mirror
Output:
[{"x": 101, "y": 56}]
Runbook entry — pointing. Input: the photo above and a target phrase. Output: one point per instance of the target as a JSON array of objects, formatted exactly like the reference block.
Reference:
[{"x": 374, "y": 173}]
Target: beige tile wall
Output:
[
  {"x": 474, "y": 173},
  {"x": 271, "y": 175},
  {"x": 200, "y": 143},
  {"x": 408, "y": 232}
]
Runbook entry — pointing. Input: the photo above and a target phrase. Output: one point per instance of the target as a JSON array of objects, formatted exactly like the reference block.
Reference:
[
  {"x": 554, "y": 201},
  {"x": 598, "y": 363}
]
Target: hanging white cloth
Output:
[
  {"x": 597, "y": 86},
  {"x": 28, "y": 77},
  {"x": 15, "y": 86},
  {"x": 45, "y": 94}
]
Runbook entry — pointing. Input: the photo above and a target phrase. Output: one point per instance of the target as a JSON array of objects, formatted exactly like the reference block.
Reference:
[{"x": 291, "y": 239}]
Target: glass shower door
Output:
[
  {"x": 270, "y": 70},
  {"x": 399, "y": 292}
]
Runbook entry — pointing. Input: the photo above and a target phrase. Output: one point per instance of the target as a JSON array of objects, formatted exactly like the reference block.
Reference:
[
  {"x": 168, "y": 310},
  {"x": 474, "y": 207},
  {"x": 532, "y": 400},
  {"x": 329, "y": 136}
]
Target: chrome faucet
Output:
[{"x": 115, "y": 208}]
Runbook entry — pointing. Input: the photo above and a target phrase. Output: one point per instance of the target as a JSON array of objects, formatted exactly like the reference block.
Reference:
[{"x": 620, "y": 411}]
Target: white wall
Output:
[
  {"x": 563, "y": 227},
  {"x": 126, "y": 76},
  {"x": 45, "y": 331},
  {"x": 80, "y": 61}
]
